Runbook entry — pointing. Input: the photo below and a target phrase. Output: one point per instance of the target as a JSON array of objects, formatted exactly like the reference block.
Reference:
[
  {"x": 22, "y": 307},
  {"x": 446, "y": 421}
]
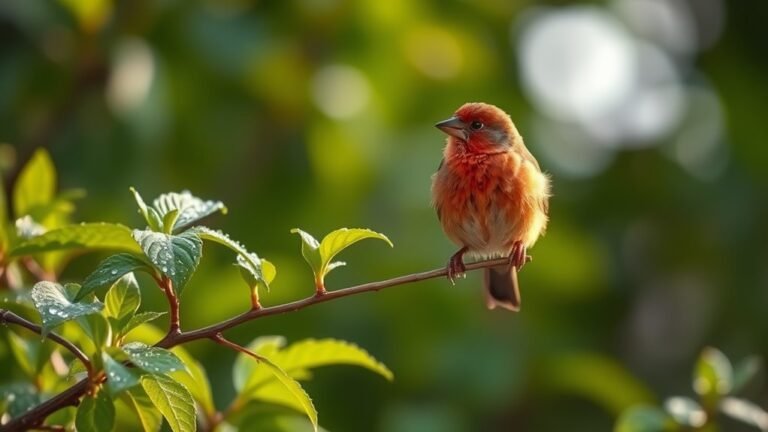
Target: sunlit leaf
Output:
[
  {"x": 310, "y": 250},
  {"x": 27, "y": 353},
  {"x": 190, "y": 208},
  {"x": 149, "y": 417},
  {"x": 110, "y": 271},
  {"x": 267, "y": 346},
  {"x": 119, "y": 377},
  {"x": 686, "y": 411},
  {"x": 97, "y": 329},
  {"x": 644, "y": 418},
  {"x": 340, "y": 239},
  {"x": 173, "y": 400},
  {"x": 152, "y": 359},
  {"x": 196, "y": 381},
  {"x": 90, "y": 236},
  {"x": 150, "y": 215},
  {"x": 140, "y": 319},
  {"x": 176, "y": 256},
  {"x": 745, "y": 411},
  {"x": 713, "y": 376},
  {"x": 95, "y": 413},
  {"x": 55, "y": 306},
  {"x": 169, "y": 220},
  {"x": 122, "y": 301},
  {"x": 36, "y": 184},
  {"x": 258, "y": 272}
]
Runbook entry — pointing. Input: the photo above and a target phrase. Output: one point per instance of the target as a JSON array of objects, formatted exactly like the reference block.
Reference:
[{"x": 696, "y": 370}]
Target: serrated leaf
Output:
[
  {"x": 713, "y": 376},
  {"x": 95, "y": 413},
  {"x": 119, "y": 377},
  {"x": 196, "y": 381},
  {"x": 643, "y": 418},
  {"x": 150, "y": 215},
  {"x": 267, "y": 346},
  {"x": 745, "y": 411},
  {"x": 686, "y": 411},
  {"x": 307, "y": 354},
  {"x": 310, "y": 250},
  {"x": 110, "y": 271},
  {"x": 190, "y": 208},
  {"x": 176, "y": 256},
  {"x": 91, "y": 236},
  {"x": 36, "y": 183},
  {"x": 149, "y": 417},
  {"x": 340, "y": 239},
  {"x": 258, "y": 271},
  {"x": 140, "y": 319},
  {"x": 55, "y": 306},
  {"x": 122, "y": 301},
  {"x": 152, "y": 359},
  {"x": 293, "y": 387},
  {"x": 173, "y": 400}
]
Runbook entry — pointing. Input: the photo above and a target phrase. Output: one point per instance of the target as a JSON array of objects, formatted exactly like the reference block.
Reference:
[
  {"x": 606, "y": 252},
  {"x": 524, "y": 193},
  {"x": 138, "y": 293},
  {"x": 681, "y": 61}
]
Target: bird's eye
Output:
[{"x": 476, "y": 125}]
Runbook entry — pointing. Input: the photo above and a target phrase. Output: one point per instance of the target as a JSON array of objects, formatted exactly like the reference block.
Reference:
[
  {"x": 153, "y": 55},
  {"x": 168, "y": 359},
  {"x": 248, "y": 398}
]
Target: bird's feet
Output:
[
  {"x": 518, "y": 257},
  {"x": 456, "y": 265}
]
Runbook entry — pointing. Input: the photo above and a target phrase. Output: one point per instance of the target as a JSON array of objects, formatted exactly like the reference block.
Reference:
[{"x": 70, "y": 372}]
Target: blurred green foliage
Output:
[{"x": 643, "y": 263}]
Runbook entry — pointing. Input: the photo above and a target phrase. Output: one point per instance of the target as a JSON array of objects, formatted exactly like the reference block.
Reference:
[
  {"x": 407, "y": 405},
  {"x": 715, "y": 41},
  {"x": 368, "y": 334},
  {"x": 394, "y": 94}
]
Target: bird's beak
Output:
[{"x": 454, "y": 127}]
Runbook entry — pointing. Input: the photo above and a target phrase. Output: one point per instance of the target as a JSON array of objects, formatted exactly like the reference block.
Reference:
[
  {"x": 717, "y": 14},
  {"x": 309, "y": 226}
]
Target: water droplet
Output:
[
  {"x": 53, "y": 311},
  {"x": 165, "y": 269},
  {"x": 111, "y": 374},
  {"x": 114, "y": 272},
  {"x": 11, "y": 397}
]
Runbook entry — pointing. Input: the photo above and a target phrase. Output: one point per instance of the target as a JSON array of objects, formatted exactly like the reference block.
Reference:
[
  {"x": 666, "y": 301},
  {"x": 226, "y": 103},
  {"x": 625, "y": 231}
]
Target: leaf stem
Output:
[
  {"x": 174, "y": 328},
  {"x": 7, "y": 316}
]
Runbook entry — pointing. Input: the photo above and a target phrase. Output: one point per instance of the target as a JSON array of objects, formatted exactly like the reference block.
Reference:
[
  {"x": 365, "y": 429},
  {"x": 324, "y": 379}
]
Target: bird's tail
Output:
[{"x": 501, "y": 287}]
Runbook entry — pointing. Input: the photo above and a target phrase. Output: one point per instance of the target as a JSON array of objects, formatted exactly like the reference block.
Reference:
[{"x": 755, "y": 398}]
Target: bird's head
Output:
[{"x": 480, "y": 127}]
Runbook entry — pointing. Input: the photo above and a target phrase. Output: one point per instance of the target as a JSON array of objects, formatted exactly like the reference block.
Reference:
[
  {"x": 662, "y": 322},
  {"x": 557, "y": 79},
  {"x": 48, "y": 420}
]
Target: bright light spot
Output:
[
  {"x": 686, "y": 410},
  {"x": 132, "y": 73},
  {"x": 668, "y": 23},
  {"x": 568, "y": 150},
  {"x": 577, "y": 63},
  {"x": 434, "y": 52},
  {"x": 340, "y": 91}
]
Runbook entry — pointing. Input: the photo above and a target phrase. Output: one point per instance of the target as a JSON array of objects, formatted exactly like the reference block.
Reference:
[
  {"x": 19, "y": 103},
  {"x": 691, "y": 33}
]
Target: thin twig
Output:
[
  {"x": 71, "y": 396},
  {"x": 174, "y": 327},
  {"x": 7, "y": 316}
]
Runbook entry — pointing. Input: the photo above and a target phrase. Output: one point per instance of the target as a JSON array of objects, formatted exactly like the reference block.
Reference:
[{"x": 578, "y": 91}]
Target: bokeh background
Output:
[{"x": 650, "y": 116}]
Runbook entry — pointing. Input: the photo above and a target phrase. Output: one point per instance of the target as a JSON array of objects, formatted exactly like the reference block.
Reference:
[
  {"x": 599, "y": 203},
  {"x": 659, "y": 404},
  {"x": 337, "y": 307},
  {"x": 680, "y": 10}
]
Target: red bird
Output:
[{"x": 490, "y": 195}]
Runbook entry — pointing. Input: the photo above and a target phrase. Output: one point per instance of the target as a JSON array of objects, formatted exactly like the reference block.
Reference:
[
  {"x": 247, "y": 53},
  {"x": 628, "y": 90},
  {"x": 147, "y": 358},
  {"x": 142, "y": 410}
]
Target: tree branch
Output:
[
  {"x": 71, "y": 396},
  {"x": 7, "y": 316},
  {"x": 174, "y": 328}
]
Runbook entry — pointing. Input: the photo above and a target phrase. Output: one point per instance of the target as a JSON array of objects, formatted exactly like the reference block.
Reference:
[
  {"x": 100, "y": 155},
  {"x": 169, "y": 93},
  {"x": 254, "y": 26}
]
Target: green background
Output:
[{"x": 644, "y": 264}]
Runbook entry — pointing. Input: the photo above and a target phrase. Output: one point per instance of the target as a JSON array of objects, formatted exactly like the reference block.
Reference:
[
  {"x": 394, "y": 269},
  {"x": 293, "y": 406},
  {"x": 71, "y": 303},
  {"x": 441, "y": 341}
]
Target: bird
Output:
[{"x": 491, "y": 197}]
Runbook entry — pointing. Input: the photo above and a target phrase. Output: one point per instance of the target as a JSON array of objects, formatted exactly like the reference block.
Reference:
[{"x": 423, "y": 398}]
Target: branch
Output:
[
  {"x": 71, "y": 396},
  {"x": 7, "y": 316},
  {"x": 174, "y": 328}
]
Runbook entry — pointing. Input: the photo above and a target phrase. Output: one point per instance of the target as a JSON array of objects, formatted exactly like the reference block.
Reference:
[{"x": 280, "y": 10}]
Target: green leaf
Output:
[
  {"x": 36, "y": 184},
  {"x": 190, "y": 208},
  {"x": 196, "y": 381},
  {"x": 152, "y": 359},
  {"x": 95, "y": 413},
  {"x": 341, "y": 239},
  {"x": 713, "y": 376},
  {"x": 150, "y": 214},
  {"x": 267, "y": 346},
  {"x": 30, "y": 355},
  {"x": 122, "y": 301},
  {"x": 307, "y": 354},
  {"x": 173, "y": 400},
  {"x": 745, "y": 372},
  {"x": 745, "y": 411},
  {"x": 97, "y": 328},
  {"x": 686, "y": 411},
  {"x": 150, "y": 418},
  {"x": 644, "y": 418},
  {"x": 110, "y": 271},
  {"x": 176, "y": 256},
  {"x": 292, "y": 386},
  {"x": 310, "y": 250},
  {"x": 90, "y": 236},
  {"x": 169, "y": 220},
  {"x": 256, "y": 271},
  {"x": 119, "y": 377},
  {"x": 20, "y": 398},
  {"x": 140, "y": 319},
  {"x": 55, "y": 305}
]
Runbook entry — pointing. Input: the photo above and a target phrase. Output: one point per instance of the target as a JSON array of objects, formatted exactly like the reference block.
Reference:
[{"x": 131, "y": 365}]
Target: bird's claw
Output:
[
  {"x": 518, "y": 257},
  {"x": 456, "y": 267}
]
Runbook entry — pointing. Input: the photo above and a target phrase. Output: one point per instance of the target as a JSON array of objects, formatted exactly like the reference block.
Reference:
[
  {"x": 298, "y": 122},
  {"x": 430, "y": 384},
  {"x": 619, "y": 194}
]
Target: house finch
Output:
[{"x": 491, "y": 197}]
